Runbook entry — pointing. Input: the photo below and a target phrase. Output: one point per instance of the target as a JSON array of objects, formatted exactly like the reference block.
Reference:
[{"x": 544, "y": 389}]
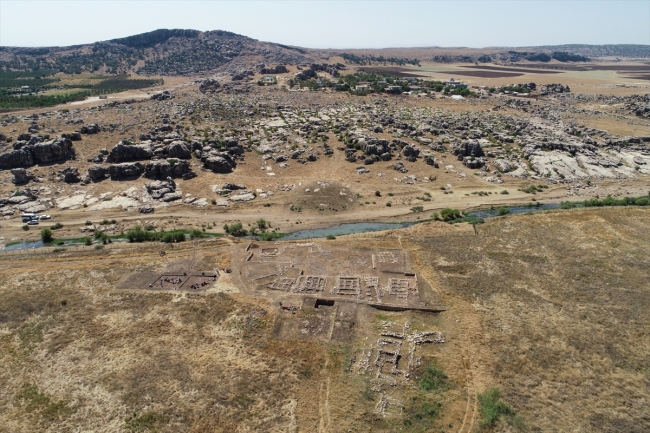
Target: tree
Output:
[{"x": 46, "y": 235}]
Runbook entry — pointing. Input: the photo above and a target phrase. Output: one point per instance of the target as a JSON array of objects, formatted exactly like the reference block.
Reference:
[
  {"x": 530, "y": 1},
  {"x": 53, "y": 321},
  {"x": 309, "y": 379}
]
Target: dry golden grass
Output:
[{"x": 558, "y": 312}]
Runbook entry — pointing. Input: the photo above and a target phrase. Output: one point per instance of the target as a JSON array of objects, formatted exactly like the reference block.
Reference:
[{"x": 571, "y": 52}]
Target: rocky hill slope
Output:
[{"x": 160, "y": 52}]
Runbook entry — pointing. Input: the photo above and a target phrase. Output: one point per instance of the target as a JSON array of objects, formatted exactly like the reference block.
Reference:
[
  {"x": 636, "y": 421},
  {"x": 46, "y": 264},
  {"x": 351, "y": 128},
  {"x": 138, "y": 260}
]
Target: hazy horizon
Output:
[{"x": 335, "y": 24}]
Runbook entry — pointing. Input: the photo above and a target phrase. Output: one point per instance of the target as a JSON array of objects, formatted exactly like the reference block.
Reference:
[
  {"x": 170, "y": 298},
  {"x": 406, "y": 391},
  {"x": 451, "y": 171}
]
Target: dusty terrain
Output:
[
  {"x": 402, "y": 330},
  {"x": 548, "y": 307}
]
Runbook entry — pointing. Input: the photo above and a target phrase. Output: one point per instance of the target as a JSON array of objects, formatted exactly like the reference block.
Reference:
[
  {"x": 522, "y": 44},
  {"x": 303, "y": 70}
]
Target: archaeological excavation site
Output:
[{"x": 202, "y": 232}]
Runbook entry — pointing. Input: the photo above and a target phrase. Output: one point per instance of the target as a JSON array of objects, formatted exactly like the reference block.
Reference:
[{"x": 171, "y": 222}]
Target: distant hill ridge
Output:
[{"x": 194, "y": 52}]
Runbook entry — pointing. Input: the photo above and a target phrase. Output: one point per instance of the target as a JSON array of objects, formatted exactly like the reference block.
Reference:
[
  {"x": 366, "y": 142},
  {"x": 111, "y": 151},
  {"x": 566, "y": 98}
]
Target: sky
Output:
[{"x": 334, "y": 24}]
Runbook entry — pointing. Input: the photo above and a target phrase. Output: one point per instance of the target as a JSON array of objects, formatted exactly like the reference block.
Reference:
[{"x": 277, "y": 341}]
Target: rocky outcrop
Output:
[
  {"x": 21, "y": 176},
  {"x": 97, "y": 173},
  {"x": 162, "y": 169},
  {"x": 91, "y": 128},
  {"x": 70, "y": 175},
  {"x": 218, "y": 162},
  {"x": 209, "y": 85},
  {"x": 125, "y": 152},
  {"x": 34, "y": 151},
  {"x": 472, "y": 162},
  {"x": 163, "y": 96},
  {"x": 468, "y": 148},
  {"x": 126, "y": 170},
  {"x": 179, "y": 149},
  {"x": 279, "y": 69}
]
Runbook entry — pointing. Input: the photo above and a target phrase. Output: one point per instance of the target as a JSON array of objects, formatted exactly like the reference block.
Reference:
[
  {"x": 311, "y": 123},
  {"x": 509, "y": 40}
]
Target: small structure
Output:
[{"x": 456, "y": 83}]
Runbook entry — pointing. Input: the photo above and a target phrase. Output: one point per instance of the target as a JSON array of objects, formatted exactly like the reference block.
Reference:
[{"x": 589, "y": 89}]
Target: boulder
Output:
[
  {"x": 91, "y": 128},
  {"x": 218, "y": 162},
  {"x": 70, "y": 175},
  {"x": 124, "y": 152},
  {"x": 171, "y": 196},
  {"x": 471, "y": 162},
  {"x": 97, "y": 173},
  {"x": 209, "y": 85},
  {"x": 17, "y": 158},
  {"x": 164, "y": 95},
  {"x": 34, "y": 151},
  {"x": 54, "y": 150},
  {"x": 179, "y": 149},
  {"x": 410, "y": 151},
  {"x": 126, "y": 170},
  {"x": 428, "y": 160},
  {"x": 21, "y": 176},
  {"x": 162, "y": 169},
  {"x": 468, "y": 148},
  {"x": 146, "y": 209}
]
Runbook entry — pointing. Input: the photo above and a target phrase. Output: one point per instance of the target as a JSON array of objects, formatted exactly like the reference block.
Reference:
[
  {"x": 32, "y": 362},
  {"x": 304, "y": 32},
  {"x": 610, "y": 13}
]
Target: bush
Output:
[
  {"x": 262, "y": 224},
  {"x": 505, "y": 191},
  {"x": 235, "y": 229},
  {"x": 330, "y": 237},
  {"x": 88, "y": 223},
  {"x": 57, "y": 226},
  {"x": 492, "y": 408},
  {"x": 433, "y": 379},
  {"x": 503, "y": 211},
  {"x": 417, "y": 209},
  {"x": 389, "y": 204},
  {"x": 377, "y": 194},
  {"x": 25, "y": 227},
  {"x": 195, "y": 233},
  {"x": 449, "y": 214},
  {"x": 46, "y": 235},
  {"x": 88, "y": 241},
  {"x": 269, "y": 236}
]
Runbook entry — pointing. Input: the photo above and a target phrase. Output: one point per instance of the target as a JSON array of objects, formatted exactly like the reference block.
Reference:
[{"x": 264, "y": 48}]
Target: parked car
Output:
[
  {"x": 32, "y": 222},
  {"x": 45, "y": 217}
]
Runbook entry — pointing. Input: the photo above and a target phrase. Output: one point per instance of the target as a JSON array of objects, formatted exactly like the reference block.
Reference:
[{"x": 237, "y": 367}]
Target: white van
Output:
[{"x": 28, "y": 216}]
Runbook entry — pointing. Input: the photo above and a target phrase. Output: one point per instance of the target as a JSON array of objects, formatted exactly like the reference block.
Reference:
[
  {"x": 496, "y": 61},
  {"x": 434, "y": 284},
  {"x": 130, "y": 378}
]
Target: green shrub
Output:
[
  {"x": 448, "y": 214},
  {"x": 389, "y": 204},
  {"x": 88, "y": 223},
  {"x": 377, "y": 194},
  {"x": 330, "y": 237},
  {"x": 492, "y": 408},
  {"x": 235, "y": 229},
  {"x": 88, "y": 241},
  {"x": 195, "y": 233},
  {"x": 269, "y": 236},
  {"x": 25, "y": 227},
  {"x": 46, "y": 235},
  {"x": 503, "y": 211},
  {"x": 57, "y": 226},
  {"x": 262, "y": 224},
  {"x": 417, "y": 209},
  {"x": 433, "y": 379},
  {"x": 505, "y": 191}
]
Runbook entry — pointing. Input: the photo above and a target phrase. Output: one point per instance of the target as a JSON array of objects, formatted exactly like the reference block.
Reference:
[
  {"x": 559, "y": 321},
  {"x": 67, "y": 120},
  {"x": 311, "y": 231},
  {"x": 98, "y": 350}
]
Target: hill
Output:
[
  {"x": 186, "y": 52},
  {"x": 160, "y": 52}
]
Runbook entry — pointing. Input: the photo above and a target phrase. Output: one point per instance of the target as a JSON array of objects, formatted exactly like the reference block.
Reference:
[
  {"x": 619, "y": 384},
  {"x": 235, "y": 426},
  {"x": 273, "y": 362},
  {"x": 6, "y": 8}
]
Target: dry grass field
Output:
[{"x": 548, "y": 307}]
